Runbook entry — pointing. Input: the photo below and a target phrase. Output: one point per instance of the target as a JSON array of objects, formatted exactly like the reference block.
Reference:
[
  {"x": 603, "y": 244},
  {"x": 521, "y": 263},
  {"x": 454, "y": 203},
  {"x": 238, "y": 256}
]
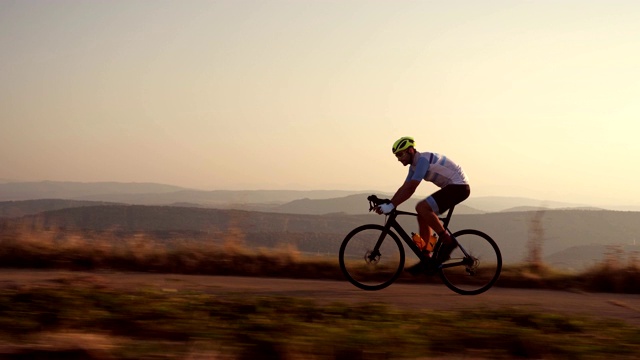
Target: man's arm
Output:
[
  {"x": 414, "y": 178},
  {"x": 404, "y": 192}
]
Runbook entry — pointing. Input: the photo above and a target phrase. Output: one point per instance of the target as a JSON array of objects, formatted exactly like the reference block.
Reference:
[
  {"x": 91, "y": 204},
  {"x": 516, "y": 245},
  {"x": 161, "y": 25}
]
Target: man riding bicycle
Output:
[{"x": 444, "y": 173}]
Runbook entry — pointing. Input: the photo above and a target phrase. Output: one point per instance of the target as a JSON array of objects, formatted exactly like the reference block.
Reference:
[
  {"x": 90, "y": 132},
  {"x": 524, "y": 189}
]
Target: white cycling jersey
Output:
[{"x": 437, "y": 169}]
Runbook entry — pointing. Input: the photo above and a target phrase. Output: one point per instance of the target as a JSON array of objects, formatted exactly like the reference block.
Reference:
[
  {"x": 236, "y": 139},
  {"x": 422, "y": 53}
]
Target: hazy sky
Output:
[{"x": 533, "y": 98}]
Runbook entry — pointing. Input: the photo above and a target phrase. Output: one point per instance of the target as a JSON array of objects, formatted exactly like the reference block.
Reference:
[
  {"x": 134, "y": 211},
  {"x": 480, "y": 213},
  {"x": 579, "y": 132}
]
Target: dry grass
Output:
[
  {"x": 228, "y": 255},
  {"x": 141, "y": 252},
  {"x": 613, "y": 274}
]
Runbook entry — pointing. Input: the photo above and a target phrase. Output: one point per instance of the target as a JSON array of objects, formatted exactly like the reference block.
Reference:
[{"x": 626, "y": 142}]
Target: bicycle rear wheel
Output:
[
  {"x": 367, "y": 267},
  {"x": 477, "y": 270}
]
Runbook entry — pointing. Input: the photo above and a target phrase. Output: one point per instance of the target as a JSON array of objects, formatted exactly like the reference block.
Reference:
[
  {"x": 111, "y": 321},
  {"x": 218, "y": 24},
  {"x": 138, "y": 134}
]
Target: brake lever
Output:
[{"x": 372, "y": 202}]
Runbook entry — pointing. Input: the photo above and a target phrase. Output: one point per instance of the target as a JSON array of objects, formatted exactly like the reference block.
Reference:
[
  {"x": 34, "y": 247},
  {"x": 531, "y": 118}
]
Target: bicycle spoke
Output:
[
  {"x": 366, "y": 266},
  {"x": 475, "y": 269}
]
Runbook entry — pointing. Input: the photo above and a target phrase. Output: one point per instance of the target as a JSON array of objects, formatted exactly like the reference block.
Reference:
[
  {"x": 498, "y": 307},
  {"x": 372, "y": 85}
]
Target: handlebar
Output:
[{"x": 375, "y": 201}]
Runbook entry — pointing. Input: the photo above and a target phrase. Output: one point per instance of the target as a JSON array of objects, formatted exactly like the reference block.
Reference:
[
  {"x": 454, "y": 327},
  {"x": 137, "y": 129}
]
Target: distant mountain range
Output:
[
  {"x": 503, "y": 203},
  {"x": 14, "y": 209},
  {"x": 299, "y": 202},
  {"x": 157, "y": 194},
  {"x": 78, "y": 190}
]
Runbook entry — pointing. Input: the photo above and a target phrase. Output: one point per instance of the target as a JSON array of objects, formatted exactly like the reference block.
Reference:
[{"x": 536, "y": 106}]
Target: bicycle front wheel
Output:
[
  {"x": 371, "y": 257},
  {"x": 474, "y": 266}
]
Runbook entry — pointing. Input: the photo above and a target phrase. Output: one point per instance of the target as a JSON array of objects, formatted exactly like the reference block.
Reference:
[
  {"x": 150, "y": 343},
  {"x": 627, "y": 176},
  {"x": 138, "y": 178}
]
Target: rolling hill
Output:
[
  {"x": 77, "y": 190},
  {"x": 159, "y": 194},
  {"x": 583, "y": 256},
  {"x": 12, "y": 209},
  {"x": 503, "y": 203},
  {"x": 284, "y": 201},
  {"x": 352, "y": 204}
]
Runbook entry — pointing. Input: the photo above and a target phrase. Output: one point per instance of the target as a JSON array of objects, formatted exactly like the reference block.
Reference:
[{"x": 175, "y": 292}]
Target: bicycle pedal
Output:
[
  {"x": 416, "y": 269},
  {"x": 432, "y": 268}
]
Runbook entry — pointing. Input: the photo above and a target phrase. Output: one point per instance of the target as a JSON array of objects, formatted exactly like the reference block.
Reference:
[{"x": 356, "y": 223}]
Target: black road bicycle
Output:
[{"x": 372, "y": 256}]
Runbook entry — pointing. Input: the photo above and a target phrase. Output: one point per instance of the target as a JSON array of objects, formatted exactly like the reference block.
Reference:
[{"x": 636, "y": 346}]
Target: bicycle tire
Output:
[
  {"x": 480, "y": 272},
  {"x": 362, "y": 271}
]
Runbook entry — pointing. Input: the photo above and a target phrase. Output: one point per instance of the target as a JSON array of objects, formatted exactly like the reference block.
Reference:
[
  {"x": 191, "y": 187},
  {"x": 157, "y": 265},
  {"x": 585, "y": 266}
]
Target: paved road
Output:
[{"x": 438, "y": 297}]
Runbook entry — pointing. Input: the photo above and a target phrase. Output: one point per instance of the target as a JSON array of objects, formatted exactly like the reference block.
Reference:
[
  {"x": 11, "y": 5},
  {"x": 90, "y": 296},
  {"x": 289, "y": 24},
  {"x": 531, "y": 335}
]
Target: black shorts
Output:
[{"x": 445, "y": 198}]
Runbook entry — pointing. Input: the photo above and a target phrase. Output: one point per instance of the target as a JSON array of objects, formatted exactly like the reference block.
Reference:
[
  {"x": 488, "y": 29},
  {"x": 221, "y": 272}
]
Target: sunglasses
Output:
[{"x": 401, "y": 154}]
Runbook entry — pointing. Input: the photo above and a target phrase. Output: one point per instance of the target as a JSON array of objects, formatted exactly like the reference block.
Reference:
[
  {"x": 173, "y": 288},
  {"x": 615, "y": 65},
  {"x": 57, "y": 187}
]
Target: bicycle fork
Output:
[{"x": 375, "y": 253}]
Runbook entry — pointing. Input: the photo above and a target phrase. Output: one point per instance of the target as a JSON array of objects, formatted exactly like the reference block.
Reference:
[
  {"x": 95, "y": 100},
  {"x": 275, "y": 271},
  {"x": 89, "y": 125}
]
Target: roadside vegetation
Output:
[
  {"x": 83, "y": 317},
  {"x": 46, "y": 249}
]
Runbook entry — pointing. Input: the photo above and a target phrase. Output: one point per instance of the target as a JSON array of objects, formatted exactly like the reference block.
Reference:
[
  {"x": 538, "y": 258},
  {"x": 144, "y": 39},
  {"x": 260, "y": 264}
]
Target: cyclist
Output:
[{"x": 444, "y": 173}]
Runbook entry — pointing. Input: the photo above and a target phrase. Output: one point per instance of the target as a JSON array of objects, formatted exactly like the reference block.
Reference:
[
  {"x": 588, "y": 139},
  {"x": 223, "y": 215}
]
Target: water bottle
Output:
[{"x": 420, "y": 243}]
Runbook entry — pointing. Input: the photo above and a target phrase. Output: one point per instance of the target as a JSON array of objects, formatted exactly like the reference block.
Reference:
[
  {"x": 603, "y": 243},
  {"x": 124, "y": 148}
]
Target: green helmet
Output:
[{"x": 403, "y": 143}]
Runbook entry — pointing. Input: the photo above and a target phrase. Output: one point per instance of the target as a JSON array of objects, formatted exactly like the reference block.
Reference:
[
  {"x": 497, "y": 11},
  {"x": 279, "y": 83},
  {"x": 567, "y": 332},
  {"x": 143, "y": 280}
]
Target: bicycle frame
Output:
[{"x": 392, "y": 223}]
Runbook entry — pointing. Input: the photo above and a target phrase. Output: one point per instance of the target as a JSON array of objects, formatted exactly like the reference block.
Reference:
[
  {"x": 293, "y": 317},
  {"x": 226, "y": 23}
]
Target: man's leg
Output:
[
  {"x": 438, "y": 202},
  {"x": 428, "y": 210},
  {"x": 427, "y": 218}
]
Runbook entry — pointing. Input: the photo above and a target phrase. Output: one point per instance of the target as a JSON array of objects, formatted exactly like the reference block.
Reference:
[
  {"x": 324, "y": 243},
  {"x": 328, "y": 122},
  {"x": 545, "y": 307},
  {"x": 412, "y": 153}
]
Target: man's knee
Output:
[{"x": 423, "y": 207}]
